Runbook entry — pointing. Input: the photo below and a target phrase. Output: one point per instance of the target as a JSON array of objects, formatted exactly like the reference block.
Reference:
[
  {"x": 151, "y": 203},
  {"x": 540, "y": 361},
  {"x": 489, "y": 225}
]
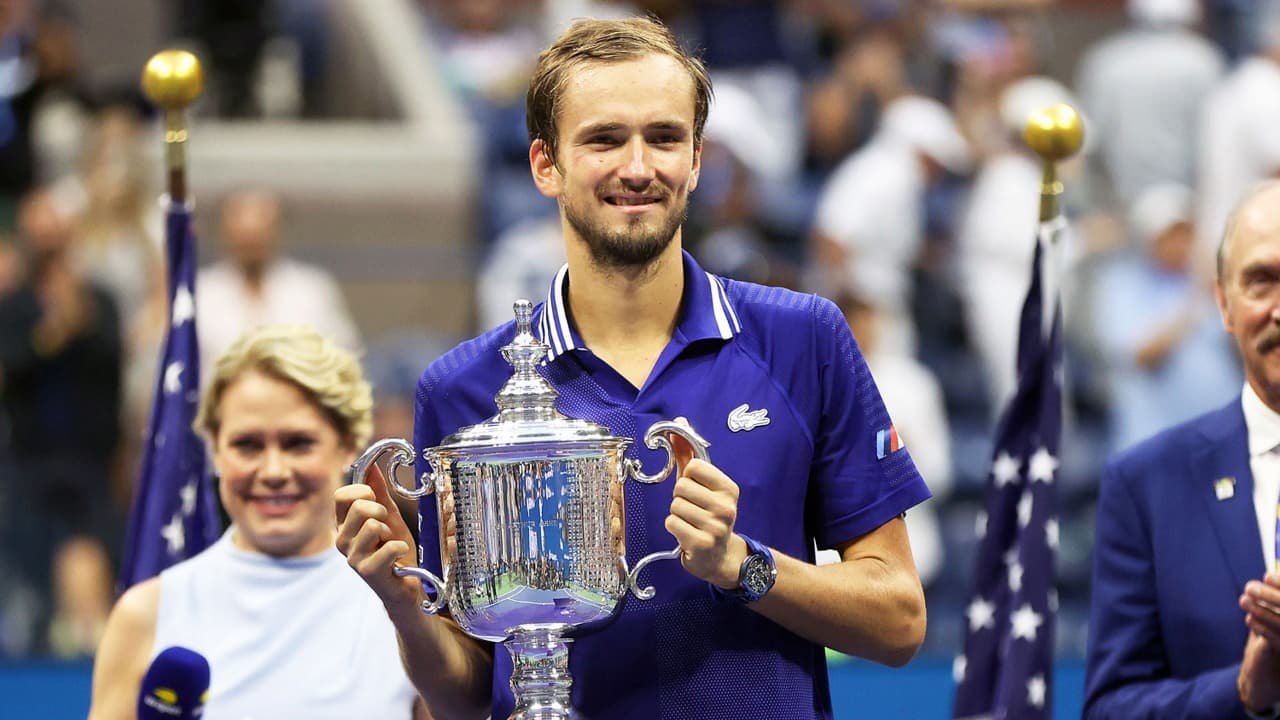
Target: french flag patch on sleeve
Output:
[{"x": 887, "y": 442}]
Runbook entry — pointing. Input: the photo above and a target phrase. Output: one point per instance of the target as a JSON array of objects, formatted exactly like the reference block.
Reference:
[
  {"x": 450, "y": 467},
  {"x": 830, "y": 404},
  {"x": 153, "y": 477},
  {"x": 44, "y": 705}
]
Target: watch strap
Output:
[{"x": 741, "y": 594}]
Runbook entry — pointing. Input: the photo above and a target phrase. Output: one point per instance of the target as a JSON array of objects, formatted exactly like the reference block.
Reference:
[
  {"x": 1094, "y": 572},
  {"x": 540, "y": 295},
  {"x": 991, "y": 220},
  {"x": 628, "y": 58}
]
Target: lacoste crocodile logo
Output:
[{"x": 741, "y": 419}]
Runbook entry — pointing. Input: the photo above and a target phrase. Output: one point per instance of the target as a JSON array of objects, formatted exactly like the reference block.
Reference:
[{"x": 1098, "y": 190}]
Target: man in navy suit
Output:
[{"x": 1185, "y": 618}]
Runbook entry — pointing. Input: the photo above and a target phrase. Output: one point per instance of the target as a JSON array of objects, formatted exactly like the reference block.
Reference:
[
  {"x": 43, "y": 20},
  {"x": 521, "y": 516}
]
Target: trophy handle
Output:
[
  {"x": 403, "y": 455},
  {"x": 429, "y": 581},
  {"x": 658, "y": 436}
]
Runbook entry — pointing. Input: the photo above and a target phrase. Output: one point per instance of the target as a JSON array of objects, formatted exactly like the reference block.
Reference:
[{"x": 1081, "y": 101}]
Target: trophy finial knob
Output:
[
  {"x": 524, "y": 316},
  {"x": 173, "y": 79},
  {"x": 1055, "y": 133},
  {"x": 526, "y": 394}
]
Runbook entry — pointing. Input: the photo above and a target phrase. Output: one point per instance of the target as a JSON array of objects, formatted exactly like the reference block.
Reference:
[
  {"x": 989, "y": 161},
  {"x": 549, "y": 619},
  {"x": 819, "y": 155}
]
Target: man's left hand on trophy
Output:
[{"x": 704, "y": 508}]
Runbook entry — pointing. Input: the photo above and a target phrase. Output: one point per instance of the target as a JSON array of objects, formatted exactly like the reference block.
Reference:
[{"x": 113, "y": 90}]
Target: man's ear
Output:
[
  {"x": 543, "y": 166},
  {"x": 1220, "y": 294},
  {"x": 697, "y": 167}
]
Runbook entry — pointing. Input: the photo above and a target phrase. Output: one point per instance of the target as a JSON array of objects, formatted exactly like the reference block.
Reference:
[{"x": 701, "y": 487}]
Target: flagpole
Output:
[
  {"x": 1005, "y": 669},
  {"x": 173, "y": 80},
  {"x": 1055, "y": 133},
  {"x": 174, "y": 513}
]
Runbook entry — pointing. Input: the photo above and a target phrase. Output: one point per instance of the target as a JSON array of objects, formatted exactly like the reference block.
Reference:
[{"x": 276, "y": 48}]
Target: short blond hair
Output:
[
  {"x": 330, "y": 377},
  {"x": 589, "y": 40}
]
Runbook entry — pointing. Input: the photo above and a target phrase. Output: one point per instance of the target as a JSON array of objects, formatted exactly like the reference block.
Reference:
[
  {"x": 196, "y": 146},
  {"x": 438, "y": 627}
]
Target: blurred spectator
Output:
[
  {"x": 914, "y": 399},
  {"x": 1231, "y": 24},
  {"x": 118, "y": 246},
  {"x": 1142, "y": 90},
  {"x": 728, "y": 227},
  {"x": 83, "y": 590},
  {"x": 521, "y": 264},
  {"x": 1167, "y": 356},
  {"x": 37, "y": 56},
  {"x": 989, "y": 56},
  {"x": 60, "y": 375},
  {"x": 866, "y": 75},
  {"x": 745, "y": 47},
  {"x": 869, "y": 227},
  {"x": 255, "y": 285},
  {"x": 488, "y": 49},
  {"x": 232, "y": 36},
  {"x": 1238, "y": 144}
]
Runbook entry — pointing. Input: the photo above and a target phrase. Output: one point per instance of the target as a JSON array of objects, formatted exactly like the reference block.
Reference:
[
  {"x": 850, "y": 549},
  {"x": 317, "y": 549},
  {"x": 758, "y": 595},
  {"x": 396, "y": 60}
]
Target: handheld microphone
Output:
[{"x": 175, "y": 686}]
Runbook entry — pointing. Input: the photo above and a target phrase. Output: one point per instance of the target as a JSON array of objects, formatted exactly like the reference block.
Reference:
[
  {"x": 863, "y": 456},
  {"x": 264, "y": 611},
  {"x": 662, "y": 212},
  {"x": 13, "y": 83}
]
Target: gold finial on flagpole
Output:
[
  {"x": 1055, "y": 133},
  {"x": 173, "y": 80}
]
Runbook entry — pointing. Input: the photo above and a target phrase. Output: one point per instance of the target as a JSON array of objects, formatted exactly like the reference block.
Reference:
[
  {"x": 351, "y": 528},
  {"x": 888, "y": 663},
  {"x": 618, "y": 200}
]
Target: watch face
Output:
[{"x": 758, "y": 575}]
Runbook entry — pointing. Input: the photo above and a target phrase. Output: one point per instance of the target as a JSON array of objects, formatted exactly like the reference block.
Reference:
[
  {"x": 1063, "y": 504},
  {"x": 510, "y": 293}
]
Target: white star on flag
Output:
[
  {"x": 1026, "y": 622},
  {"x": 1042, "y": 467},
  {"x": 980, "y": 524},
  {"x": 1015, "y": 576},
  {"x": 1036, "y": 690},
  {"x": 1024, "y": 508},
  {"x": 982, "y": 614},
  {"x": 173, "y": 378},
  {"x": 1051, "y": 533},
  {"x": 184, "y": 306},
  {"x": 1005, "y": 469},
  {"x": 958, "y": 667},
  {"x": 188, "y": 495},
  {"x": 174, "y": 535}
]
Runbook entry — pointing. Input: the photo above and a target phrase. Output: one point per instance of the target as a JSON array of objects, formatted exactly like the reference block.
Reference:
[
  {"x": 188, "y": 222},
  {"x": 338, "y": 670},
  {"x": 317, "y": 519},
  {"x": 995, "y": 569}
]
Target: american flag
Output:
[
  {"x": 1006, "y": 668},
  {"x": 173, "y": 515}
]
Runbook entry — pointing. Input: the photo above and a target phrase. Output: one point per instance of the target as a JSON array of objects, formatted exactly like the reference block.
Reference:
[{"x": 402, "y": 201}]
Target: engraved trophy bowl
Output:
[{"x": 532, "y": 534}]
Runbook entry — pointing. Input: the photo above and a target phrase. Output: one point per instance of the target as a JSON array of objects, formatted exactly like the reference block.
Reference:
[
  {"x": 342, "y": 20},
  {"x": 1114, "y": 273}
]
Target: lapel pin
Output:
[{"x": 1224, "y": 488}]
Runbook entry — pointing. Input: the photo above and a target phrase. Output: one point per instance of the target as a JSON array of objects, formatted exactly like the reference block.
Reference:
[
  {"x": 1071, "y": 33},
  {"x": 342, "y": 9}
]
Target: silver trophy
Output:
[{"x": 532, "y": 538}]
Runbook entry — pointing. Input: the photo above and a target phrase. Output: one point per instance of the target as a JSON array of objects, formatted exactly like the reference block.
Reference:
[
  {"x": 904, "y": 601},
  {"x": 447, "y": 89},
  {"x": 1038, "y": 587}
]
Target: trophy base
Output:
[{"x": 540, "y": 677}]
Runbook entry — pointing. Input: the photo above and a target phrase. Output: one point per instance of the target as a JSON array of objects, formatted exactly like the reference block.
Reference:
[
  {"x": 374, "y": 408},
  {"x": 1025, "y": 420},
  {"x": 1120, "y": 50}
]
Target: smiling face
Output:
[
  {"x": 626, "y": 158},
  {"x": 280, "y": 459},
  {"x": 1248, "y": 290}
]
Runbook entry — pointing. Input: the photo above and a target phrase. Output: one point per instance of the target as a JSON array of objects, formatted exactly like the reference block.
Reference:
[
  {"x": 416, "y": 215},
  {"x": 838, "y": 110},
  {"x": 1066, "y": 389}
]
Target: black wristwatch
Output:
[{"x": 755, "y": 577}]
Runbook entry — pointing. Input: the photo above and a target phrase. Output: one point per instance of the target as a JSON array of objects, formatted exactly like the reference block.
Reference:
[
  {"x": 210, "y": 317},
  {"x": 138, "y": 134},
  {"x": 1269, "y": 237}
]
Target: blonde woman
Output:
[{"x": 287, "y": 628}]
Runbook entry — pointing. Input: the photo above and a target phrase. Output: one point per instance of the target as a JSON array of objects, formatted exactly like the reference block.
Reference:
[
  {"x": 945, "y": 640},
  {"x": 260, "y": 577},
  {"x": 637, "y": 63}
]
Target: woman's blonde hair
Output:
[{"x": 327, "y": 375}]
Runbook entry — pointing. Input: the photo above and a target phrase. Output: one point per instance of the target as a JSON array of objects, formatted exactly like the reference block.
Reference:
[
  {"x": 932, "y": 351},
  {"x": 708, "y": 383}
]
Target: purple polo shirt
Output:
[{"x": 812, "y": 472}]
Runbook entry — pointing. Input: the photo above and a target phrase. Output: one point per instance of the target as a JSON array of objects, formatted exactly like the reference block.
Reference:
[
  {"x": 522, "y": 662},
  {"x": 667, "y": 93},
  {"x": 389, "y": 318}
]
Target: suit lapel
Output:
[{"x": 1234, "y": 519}]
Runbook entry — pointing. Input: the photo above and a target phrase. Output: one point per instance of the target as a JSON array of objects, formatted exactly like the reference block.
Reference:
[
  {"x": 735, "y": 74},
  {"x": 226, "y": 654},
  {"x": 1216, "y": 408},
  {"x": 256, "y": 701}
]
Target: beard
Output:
[{"x": 633, "y": 247}]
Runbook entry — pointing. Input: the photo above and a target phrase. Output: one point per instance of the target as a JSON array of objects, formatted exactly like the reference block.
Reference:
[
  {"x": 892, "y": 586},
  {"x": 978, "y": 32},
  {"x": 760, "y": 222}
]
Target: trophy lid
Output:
[{"x": 526, "y": 404}]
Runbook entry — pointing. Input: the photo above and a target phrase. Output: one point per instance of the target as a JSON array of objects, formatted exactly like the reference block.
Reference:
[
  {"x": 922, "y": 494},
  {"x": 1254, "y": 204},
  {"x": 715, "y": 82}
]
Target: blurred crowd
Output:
[{"x": 869, "y": 151}]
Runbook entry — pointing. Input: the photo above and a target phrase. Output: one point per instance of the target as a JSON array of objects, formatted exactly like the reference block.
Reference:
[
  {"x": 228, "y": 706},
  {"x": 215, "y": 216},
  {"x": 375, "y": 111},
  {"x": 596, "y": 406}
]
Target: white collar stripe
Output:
[
  {"x": 558, "y": 334},
  {"x": 728, "y": 306},
  {"x": 544, "y": 331},
  {"x": 562, "y": 314},
  {"x": 548, "y": 324},
  {"x": 717, "y": 306}
]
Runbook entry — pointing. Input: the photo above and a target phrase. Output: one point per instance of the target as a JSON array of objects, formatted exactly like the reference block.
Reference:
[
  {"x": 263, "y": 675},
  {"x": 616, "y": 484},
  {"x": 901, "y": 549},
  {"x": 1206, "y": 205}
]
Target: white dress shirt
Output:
[{"x": 1263, "y": 425}]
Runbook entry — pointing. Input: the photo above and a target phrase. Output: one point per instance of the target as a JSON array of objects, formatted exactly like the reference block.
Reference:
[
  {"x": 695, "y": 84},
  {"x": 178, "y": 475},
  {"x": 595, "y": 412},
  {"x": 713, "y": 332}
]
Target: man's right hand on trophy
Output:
[{"x": 373, "y": 536}]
